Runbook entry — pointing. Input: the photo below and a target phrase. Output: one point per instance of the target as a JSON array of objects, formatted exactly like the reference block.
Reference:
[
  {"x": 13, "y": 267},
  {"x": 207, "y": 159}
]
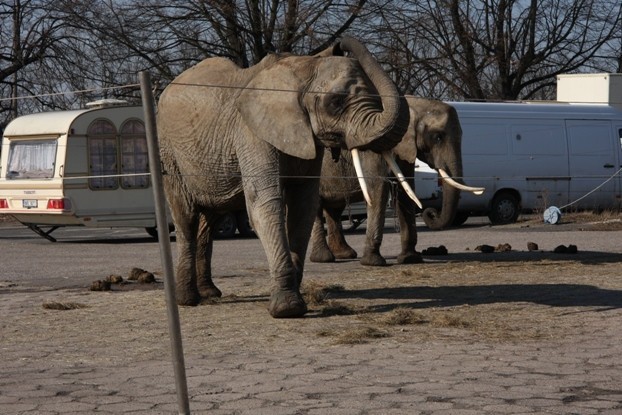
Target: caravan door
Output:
[{"x": 594, "y": 157}]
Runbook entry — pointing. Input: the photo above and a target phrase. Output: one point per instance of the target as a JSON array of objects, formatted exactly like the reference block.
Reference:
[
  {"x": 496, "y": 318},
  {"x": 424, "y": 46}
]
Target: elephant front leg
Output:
[
  {"x": 376, "y": 214},
  {"x": 406, "y": 212},
  {"x": 269, "y": 224},
  {"x": 205, "y": 243}
]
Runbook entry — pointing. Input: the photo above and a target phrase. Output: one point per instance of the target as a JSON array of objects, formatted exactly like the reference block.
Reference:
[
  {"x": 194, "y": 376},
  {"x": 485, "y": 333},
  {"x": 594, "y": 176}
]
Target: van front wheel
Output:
[{"x": 504, "y": 209}]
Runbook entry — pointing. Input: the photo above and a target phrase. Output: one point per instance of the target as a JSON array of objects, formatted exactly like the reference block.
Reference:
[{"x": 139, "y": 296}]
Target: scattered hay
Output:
[
  {"x": 447, "y": 320},
  {"x": 334, "y": 308},
  {"x": 402, "y": 316},
  {"x": 315, "y": 293},
  {"x": 56, "y": 305},
  {"x": 360, "y": 335}
]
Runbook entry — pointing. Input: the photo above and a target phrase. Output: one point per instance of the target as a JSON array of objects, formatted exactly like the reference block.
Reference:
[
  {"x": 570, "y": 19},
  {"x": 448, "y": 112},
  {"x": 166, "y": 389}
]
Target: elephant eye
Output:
[
  {"x": 438, "y": 138},
  {"x": 335, "y": 103}
]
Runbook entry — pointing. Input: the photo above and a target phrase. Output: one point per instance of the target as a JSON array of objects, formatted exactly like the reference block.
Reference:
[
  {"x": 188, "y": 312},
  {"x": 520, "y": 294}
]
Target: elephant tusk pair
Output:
[
  {"x": 452, "y": 182},
  {"x": 388, "y": 156}
]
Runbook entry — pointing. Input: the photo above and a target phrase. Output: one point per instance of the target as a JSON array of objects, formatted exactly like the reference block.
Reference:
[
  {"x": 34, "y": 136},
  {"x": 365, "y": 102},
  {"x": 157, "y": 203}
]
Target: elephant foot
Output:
[
  {"x": 210, "y": 292},
  {"x": 322, "y": 256},
  {"x": 187, "y": 297},
  {"x": 287, "y": 304},
  {"x": 410, "y": 258},
  {"x": 373, "y": 260},
  {"x": 345, "y": 253}
]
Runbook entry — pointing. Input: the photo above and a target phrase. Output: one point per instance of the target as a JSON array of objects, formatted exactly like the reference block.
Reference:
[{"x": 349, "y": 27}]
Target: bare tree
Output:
[
  {"x": 31, "y": 32},
  {"x": 499, "y": 49}
]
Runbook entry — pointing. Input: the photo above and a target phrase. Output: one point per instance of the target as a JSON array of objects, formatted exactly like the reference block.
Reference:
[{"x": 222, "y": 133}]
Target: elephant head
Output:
[
  {"x": 437, "y": 141},
  {"x": 329, "y": 99}
]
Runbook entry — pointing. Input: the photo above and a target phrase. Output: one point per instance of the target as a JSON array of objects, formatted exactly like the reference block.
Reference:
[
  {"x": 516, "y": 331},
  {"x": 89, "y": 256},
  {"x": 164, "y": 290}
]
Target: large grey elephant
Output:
[
  {"x": 434, "y": 136},
  {"x": 256, "y": 136}
]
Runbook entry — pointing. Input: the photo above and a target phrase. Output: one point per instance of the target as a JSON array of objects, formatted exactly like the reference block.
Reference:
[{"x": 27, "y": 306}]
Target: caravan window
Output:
[
  {"x": 32, "y": 159},
  {"x": 134, "y": 156},
  {"x": 102, "y": 140}
]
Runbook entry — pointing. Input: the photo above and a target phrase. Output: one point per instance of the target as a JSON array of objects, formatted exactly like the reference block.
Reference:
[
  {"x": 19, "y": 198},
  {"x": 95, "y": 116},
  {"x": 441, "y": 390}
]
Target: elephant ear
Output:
[
  {"x": 406, "y": 149},
  {"x": 271, "y": 109}
]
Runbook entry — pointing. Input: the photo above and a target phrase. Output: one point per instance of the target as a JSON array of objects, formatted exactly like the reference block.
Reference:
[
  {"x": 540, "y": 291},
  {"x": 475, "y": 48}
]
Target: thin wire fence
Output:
[{"x": 421, "y": 177}]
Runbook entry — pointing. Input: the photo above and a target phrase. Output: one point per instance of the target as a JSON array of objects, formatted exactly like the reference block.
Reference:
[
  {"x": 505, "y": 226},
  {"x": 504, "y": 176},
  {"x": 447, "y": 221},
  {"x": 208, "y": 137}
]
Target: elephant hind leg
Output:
[
  {"x": 336, "y": 239},
  {"x": 319, "y": 249},
  {"x": 205, "y": 242}
]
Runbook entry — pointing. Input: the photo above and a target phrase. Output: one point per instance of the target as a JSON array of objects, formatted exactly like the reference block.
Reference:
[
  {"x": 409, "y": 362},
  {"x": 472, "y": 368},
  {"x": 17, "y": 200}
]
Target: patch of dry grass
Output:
[
  {"x": 402, "y": 316},
  {"x": 57, "y": 305},
  {"x": 315, "y": 293},
  {"x": 336, "y": 308},
  {"x": 356, "y": 335}
]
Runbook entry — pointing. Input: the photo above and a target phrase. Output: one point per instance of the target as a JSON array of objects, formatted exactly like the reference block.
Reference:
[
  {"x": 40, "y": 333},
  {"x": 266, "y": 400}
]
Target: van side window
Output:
[
  {"x": 102, "y": 139},
  {"x": 134, "y": 156}
]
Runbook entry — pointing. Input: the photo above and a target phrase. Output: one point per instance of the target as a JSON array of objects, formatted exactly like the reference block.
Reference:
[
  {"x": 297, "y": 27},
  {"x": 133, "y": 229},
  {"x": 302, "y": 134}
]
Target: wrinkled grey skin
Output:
[
  {"x": 434, "y": 136},
  {"x": 253, "y": 141}
]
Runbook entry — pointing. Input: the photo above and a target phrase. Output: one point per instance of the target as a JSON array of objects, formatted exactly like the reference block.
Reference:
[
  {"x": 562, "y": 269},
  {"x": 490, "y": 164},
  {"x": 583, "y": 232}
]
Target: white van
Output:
[
  {"x": 86, "y": 167},
  {"x": 530, "y": 156}
]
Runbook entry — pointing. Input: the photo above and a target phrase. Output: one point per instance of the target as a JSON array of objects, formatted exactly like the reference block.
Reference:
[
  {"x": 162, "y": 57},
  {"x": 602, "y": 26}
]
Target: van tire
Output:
[{"x": 504, "y": 209}]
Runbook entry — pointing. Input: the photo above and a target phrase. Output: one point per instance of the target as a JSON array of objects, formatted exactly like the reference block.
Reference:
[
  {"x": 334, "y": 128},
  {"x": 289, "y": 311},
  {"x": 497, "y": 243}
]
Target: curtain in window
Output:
[
  {"x": 134, "y": 156},
  {"x": 31, "y": 159},
  {"x": 102, "y": 155}
]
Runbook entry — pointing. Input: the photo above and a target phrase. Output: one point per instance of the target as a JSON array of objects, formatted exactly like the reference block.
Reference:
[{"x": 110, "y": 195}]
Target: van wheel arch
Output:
[{"x": 504, "y": 207}]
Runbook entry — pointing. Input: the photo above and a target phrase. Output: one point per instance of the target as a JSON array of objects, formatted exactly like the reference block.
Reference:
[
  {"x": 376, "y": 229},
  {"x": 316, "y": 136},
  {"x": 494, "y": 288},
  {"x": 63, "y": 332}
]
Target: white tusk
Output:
[
  {"x": 452, "y": 182},
  {"x": 388, "y": 156},
  {"x": 359, "y": 173}
]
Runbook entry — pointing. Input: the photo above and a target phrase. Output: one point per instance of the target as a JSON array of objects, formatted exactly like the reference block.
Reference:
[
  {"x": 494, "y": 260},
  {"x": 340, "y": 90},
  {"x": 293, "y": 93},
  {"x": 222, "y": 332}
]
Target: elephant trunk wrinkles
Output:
[
  {"x": 378, "y": 131},
  {"x": 451, "y": 196}
]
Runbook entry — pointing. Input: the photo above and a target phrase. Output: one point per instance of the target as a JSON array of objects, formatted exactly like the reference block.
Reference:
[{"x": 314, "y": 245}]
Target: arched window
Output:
[
  {"x": 134, "y": 155},
  {"x": 102, "y": 139}
]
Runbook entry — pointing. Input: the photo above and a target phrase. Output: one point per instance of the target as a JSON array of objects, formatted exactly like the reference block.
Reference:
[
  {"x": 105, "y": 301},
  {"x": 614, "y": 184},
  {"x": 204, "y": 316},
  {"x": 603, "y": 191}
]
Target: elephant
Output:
[
  {"x": 232, "y": 137},
  {"x": 433, "y": 136}
]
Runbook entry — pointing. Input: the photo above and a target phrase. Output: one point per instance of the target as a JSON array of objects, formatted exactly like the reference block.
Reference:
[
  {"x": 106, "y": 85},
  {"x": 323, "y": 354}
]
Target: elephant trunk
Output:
[
  {"x": 376, "y": 130},
  {"x": 451, "y": 196}
]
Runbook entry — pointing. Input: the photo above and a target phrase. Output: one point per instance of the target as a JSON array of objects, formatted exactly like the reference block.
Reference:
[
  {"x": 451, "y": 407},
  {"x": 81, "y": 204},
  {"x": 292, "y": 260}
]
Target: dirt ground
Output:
[{"x": 500, "y": 297}]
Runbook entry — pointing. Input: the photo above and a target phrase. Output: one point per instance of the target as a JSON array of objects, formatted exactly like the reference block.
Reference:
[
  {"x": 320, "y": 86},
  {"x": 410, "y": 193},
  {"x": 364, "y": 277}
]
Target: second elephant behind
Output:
[{"x": 434, "y": 136}]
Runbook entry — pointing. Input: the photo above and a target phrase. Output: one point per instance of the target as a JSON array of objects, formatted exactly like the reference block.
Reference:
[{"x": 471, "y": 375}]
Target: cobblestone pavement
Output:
[{"x": 113, "y": 355}]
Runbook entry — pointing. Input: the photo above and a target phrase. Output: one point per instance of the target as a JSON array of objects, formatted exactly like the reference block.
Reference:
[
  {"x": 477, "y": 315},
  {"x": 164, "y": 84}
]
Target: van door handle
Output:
[{"x": 608, "y": 166}]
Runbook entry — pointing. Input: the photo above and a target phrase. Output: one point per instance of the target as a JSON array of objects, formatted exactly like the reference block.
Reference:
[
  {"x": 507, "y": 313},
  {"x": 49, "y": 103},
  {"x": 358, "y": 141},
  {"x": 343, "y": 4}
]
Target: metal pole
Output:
[{"x": 165, "y": 243}]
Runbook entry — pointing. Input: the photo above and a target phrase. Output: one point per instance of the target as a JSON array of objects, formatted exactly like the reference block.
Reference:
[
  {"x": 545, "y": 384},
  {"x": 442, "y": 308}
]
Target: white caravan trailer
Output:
[
  {"x": 530, "y": 156},
  {"x": 86, "y": 167}
]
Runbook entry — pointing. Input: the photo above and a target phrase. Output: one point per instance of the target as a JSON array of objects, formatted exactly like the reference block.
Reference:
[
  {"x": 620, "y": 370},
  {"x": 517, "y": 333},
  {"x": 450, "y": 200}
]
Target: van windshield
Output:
[{"x": 31, "y": 159}]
